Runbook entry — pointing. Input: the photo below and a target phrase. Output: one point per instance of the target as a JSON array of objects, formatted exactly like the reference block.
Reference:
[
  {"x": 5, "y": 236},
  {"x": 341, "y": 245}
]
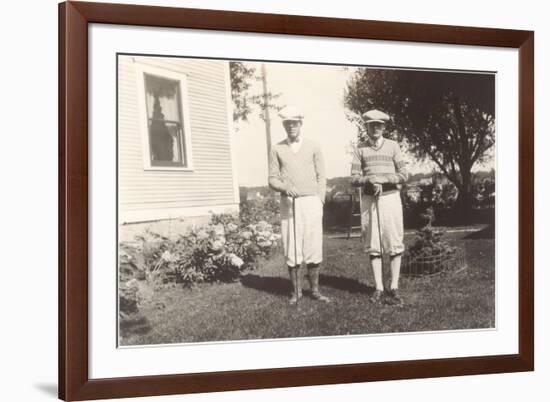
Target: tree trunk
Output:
[
  {"x": 465, "y": 166},
  {"x": 266, "y": 113},
  {"x": 464, "y": 201}
]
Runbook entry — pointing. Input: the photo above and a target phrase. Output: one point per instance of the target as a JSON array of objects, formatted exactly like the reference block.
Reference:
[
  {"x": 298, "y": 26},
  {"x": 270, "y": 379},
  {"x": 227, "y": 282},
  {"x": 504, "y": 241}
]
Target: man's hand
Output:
[
  {"x": 377, "y": 188},
  {"x": 291, "y": 191},
  {"x": 377, "y": 179}
]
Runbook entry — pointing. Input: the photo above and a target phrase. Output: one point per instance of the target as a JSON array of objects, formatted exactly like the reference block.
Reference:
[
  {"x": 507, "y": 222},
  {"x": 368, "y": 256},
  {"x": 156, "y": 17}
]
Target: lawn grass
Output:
[{"x": 257, "y": 307}]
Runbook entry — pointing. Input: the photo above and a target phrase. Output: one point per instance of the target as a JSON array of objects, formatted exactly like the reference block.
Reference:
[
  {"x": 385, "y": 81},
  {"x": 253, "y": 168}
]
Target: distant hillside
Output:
[
  {"x": 482, "y": 175},
  {"x": 256, "y": 192},
  {"x": 342, "y": 185}
]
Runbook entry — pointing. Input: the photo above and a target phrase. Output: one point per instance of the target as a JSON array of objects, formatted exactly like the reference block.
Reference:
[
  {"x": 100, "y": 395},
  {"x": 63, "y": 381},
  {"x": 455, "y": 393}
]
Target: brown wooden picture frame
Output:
[{"x": 74, "y": 381}]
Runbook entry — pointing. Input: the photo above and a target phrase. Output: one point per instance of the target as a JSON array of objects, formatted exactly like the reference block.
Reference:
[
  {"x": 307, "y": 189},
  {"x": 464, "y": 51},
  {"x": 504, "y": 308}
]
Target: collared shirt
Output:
[
  {"x": 295, "y": 145},
  {"x": 374, "y": 144}
]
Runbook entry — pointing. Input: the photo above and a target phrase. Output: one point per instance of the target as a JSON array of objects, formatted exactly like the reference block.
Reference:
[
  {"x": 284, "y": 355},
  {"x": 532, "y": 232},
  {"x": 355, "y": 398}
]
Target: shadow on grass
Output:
[
  {"x": 271, "y": 284},
  {"x": 134, "y": 325},
  {"x": 485, "y": 233},
  {"x": 345, "y": 284},
  {"x": 281, "y": 286}
]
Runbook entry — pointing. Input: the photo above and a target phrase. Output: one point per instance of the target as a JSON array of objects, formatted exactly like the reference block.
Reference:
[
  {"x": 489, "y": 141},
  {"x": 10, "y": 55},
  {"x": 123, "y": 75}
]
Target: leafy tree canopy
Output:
[
  {"x": 242, "y": 76},
  {"x": 444, "y": 116}
]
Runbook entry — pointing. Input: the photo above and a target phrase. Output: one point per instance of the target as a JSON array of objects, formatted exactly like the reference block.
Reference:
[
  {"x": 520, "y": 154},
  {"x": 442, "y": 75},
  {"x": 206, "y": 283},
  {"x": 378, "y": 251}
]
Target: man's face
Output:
[
  {"x": 292, "y": 128},
  {"x": 375, "y": 130}
]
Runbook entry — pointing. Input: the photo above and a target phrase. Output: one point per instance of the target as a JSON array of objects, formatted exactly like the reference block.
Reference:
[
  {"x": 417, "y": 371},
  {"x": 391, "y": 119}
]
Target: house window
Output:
[{"x": 165, "y": 128}]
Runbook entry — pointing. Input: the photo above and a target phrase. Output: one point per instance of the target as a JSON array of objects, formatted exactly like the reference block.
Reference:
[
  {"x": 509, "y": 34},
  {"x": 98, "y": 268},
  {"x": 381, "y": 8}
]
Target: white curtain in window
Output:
[{"x": 169, "y": 106}]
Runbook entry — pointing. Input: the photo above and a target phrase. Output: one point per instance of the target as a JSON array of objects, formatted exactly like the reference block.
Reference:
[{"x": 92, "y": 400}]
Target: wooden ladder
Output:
[{"x": 353, "y": 212}]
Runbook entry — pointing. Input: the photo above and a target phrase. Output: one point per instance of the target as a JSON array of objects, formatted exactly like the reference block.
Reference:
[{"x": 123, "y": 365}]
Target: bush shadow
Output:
[{"x": 134, "y": 325}]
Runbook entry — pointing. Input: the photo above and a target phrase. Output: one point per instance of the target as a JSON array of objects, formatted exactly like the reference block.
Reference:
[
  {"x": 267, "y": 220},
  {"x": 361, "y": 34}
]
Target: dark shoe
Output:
[
  {"x": 394, "y": 298},
  {"x": 376, "y": 297},
  {"x": 313, "y": 276},
  {"x": 319, "y": 297}
]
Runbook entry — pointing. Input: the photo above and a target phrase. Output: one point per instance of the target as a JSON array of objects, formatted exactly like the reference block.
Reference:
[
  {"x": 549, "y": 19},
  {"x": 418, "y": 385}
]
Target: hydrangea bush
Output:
[
  {"x": 267, "y": 209},
  {"x": 219, "y": 251},
  {"x": 129, "y": 296}
]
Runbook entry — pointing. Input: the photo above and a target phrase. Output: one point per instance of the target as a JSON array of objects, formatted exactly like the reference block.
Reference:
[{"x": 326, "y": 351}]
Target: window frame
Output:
[{"x": 181, "y": 78}]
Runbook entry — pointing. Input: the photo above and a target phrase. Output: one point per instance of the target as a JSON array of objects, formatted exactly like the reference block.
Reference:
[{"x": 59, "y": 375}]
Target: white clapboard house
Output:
[{"x": 175, "y": 154}]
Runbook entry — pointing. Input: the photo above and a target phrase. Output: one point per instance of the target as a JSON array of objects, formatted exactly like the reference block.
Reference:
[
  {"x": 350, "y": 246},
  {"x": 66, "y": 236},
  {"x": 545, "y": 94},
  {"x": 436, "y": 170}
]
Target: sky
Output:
[{"x": 318, "y": 91}]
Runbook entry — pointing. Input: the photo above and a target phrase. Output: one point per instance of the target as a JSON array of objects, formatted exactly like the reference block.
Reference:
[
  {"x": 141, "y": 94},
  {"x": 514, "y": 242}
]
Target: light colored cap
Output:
[
  {"x": 375, "y": 116},
  {"x": 291, "y": 113}
]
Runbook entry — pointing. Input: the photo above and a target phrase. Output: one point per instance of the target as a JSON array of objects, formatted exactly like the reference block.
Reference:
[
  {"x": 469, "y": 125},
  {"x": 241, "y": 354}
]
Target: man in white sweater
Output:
[{"x": 297, "y": 171}]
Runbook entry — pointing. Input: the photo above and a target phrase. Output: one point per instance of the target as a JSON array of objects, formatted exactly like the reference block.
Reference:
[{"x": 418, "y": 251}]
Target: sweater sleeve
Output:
[
  {"x": 319, "y": 164},
  {"x": 275, "y": 179},
  {"x": 401, "y": 175},
  {"x": 357, "y": 179}
]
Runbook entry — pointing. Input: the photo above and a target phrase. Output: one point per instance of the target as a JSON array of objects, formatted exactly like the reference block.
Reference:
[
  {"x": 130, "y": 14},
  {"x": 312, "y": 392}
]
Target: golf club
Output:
[
  {"x": 296, "y": 266},
  {"x": 377, "y": 198}
]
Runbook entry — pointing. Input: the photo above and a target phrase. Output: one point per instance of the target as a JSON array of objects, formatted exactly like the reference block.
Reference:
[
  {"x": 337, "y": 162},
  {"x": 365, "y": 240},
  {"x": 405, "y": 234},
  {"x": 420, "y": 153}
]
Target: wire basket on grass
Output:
[{"x": 444, "y": 261}]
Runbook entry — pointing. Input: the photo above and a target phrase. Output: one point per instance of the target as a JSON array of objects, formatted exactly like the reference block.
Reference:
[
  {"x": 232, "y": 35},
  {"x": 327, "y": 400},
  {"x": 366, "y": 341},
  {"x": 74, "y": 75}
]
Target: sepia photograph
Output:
[{"x": 264, "y": 200}]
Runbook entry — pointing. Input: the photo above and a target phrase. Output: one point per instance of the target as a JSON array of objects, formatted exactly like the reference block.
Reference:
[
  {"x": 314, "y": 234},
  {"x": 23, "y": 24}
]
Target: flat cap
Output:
[
  {"x": 291, "y": 113},
  {"x": 375, "y": 116}
]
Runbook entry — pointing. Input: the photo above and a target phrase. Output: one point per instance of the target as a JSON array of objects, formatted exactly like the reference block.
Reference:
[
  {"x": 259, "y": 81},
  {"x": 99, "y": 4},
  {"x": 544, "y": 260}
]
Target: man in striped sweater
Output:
[
  {"x": 379, "y": 170},
  {"x": 297, "y": 171}
]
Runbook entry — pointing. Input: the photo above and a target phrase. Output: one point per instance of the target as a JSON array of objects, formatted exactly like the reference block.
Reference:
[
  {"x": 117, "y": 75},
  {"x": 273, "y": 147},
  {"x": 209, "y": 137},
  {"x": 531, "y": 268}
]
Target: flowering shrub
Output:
[
  {"x": 219, "y": 251},
  {"x": 129, "y": 297},
  {"x": 146, "y": 258},
  {"x": 266, "y": 209},
  {"x": 222, "y": 251}
]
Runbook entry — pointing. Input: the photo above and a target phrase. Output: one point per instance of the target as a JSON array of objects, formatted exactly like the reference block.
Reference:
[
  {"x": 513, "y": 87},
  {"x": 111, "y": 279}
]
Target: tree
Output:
[
  {"x": 244, "y": 99},
  {"x": 241, "y": 77},
  {"x": 443, "y": 116}
]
